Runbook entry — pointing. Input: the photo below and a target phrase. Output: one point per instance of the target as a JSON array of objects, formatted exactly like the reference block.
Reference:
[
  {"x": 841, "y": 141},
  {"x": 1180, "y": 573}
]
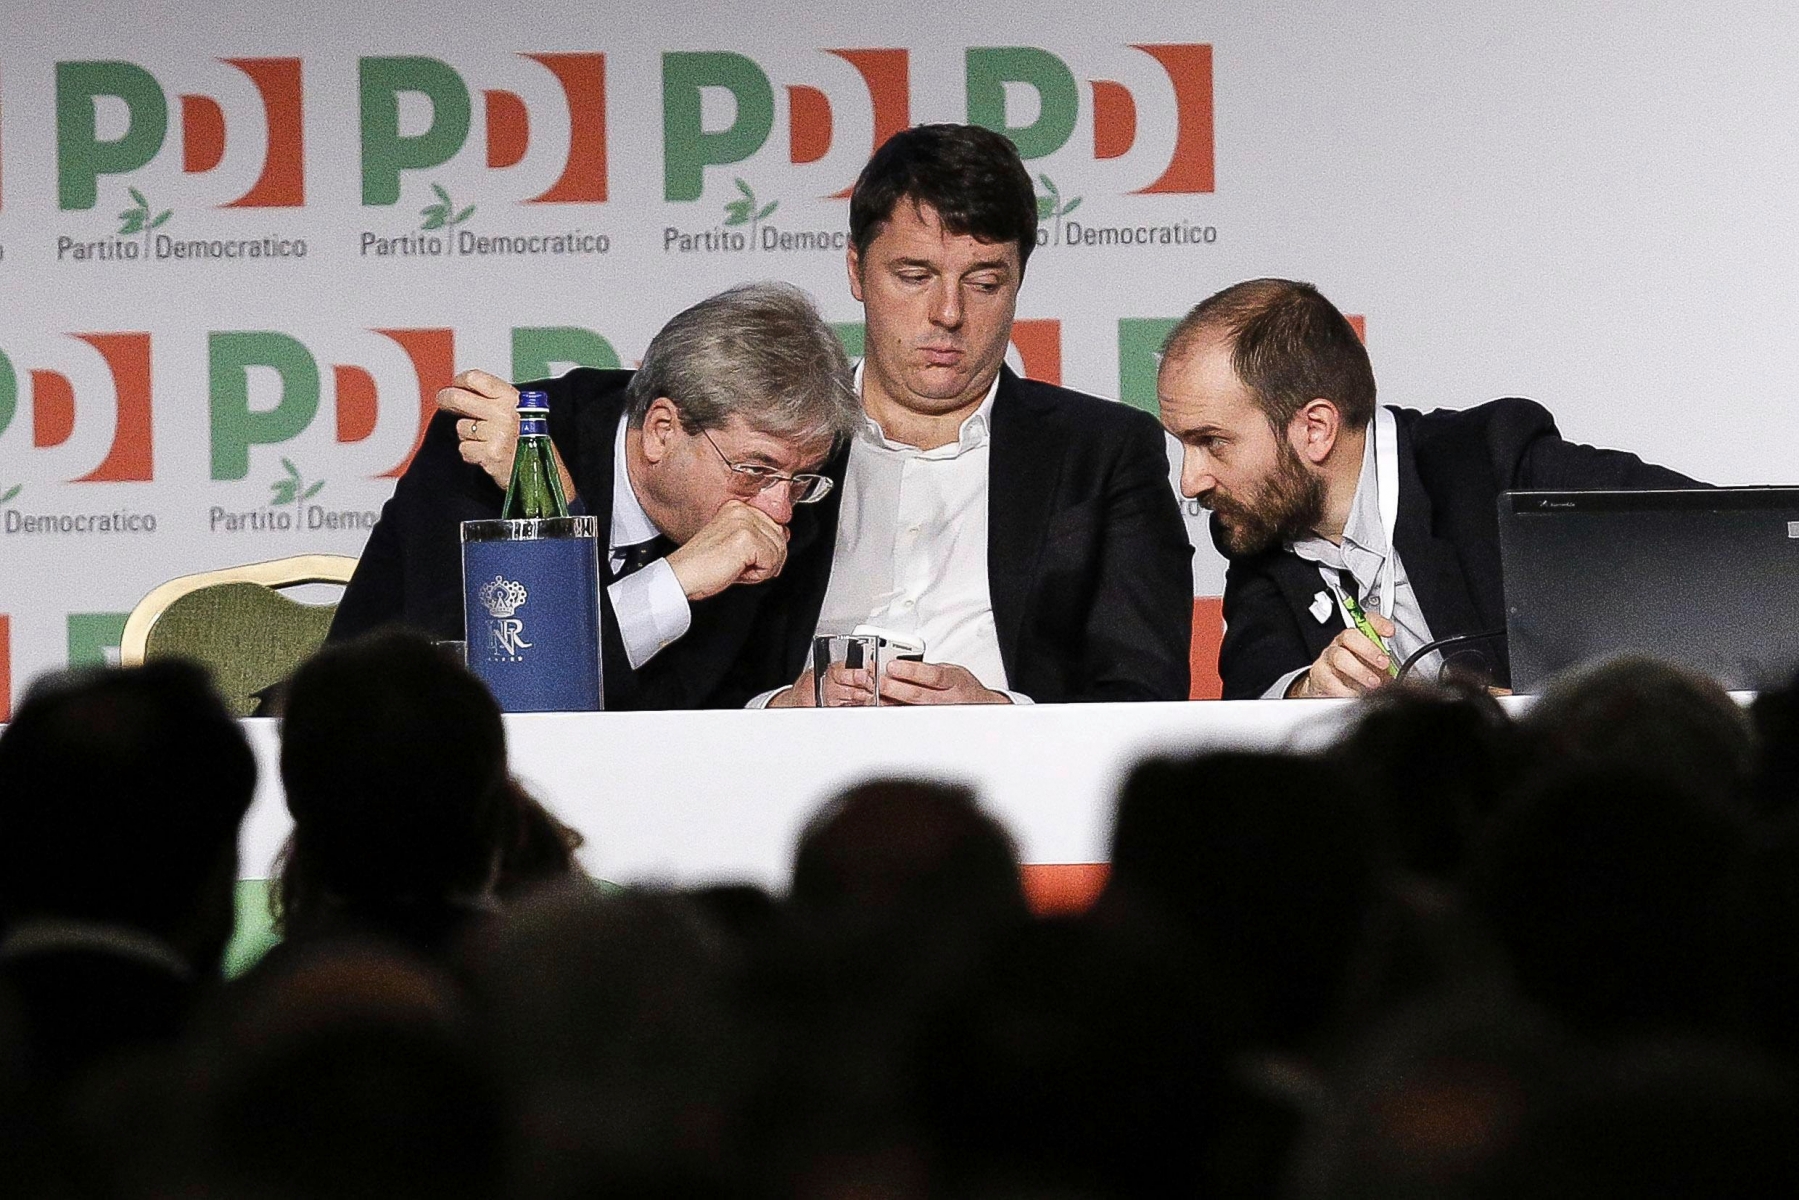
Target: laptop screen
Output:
[{"x": 1708, "y": 579}]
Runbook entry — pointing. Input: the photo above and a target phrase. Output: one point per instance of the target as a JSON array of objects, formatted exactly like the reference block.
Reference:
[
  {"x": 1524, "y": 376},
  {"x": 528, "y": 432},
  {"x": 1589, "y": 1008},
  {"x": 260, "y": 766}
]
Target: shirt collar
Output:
[
  {"x": 972, "y": 434},
  {"x": 1362, "y": 530},
  {"x": 630, "y": 523}
]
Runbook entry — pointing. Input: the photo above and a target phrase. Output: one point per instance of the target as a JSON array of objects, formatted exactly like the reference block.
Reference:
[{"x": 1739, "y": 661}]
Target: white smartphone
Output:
[{"x": 898, "y": 645}]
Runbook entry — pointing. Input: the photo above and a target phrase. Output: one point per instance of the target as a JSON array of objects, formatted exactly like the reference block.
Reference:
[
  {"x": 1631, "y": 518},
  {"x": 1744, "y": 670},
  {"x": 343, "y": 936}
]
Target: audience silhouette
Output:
[{"x": 1453, "y": 954}]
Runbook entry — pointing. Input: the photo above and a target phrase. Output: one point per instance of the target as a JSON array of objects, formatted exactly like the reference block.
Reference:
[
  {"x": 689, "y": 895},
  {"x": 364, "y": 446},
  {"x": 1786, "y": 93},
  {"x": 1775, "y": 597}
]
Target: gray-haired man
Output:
[{"x": 700, "y": 465}]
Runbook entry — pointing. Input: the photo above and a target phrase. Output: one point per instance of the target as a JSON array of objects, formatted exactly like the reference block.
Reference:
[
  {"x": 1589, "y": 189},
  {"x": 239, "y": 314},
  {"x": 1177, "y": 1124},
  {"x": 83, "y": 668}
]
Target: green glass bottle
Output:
[{"x": 536, "y": 487}]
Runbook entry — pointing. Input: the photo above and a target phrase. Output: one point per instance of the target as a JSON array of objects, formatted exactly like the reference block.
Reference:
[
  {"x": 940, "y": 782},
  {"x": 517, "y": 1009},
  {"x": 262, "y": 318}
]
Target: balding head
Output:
[{"x": 1289, "y": 345}]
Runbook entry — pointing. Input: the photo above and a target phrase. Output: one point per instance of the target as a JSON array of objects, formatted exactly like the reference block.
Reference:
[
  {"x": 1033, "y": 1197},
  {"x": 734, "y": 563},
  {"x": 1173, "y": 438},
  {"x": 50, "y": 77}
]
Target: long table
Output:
[{"x": 704, "y": 797}]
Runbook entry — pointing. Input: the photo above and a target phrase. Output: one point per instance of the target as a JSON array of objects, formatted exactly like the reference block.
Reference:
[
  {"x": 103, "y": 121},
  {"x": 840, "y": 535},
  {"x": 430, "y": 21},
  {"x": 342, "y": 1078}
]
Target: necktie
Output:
[{"x": 639, "y": 555}]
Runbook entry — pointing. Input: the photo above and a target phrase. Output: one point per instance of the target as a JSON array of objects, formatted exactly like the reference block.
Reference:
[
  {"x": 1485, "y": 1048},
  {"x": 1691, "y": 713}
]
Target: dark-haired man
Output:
[
  {"x": 1026, "y": 533},
  {"x": 700, "y": 466},
  {"x": 121, "y": 793},
  {"x": 1330, "y": 508}
]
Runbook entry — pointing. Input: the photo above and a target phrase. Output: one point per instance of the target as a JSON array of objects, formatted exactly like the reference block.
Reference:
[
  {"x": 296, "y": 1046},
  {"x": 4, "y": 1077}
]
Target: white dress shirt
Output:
[
  {"x": 650, "y": 605},
  {"x": 1367, "y": 556},
  {"x": 911, "y": 550}
]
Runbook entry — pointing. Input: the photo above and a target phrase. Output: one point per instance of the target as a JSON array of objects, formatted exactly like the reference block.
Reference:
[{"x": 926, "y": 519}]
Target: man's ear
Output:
[
  {"x": 852, "y": 260},
  {"x": 661, "y": 421},
  {"x": 1314, "y": 430}
]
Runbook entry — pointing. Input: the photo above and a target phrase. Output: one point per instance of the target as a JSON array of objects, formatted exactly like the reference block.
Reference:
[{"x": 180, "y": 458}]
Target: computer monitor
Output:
[{"x": 1706, "y": 578}]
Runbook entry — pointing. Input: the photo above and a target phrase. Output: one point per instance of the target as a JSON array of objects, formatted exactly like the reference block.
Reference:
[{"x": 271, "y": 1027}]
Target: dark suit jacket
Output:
[
  {"x": 410, "y": 572},
  {"x": 1452, "y": 466},
  {"x": 1088, "y": 563}
]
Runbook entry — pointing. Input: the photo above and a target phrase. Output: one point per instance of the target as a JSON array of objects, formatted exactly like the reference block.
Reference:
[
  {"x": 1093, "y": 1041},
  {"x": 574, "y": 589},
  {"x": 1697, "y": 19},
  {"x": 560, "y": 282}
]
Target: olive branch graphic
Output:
[
  {"x": 743, "y": 210},
  {"x": 438, "y": 216},
  {"x": 293, "y": 489},
  {"x": 1052, "y": 206},
  {"x": 10, "y": 492},
  {"x": 139, "y": 220}
]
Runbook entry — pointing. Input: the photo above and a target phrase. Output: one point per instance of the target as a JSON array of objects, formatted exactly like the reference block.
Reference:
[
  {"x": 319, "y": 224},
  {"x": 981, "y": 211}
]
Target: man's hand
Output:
[
  {"x": 844, "y": 686},
  {"x": 487, "y": 433},
  {"x": 738, "y": 545},
  {"x": 908, "y": 682},
  {"x": 800, "y": 695},
  {"x": 1349, "y": 666}
]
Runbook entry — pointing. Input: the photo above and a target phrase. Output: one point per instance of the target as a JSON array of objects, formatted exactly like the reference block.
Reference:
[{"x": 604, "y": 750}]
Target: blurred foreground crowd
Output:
[{"x": 1451, "y": 955}]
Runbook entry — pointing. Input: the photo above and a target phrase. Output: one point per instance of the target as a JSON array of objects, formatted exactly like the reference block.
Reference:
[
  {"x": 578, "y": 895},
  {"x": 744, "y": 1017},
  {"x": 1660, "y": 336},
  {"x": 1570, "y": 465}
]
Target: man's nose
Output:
[
  {"x": 1196, "y": 475},
  {"x": 776, "y": 501},
  {"x": 946, "y": 305}
]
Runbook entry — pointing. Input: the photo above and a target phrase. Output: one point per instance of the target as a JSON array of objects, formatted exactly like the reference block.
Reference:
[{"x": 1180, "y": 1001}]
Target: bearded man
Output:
[{"x": 1357, "y": 535}]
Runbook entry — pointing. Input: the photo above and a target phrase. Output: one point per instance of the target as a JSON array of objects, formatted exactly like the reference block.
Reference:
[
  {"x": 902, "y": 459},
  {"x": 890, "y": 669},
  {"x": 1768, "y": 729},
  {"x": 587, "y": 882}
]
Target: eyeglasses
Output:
[{"x": 747, "y": 479}]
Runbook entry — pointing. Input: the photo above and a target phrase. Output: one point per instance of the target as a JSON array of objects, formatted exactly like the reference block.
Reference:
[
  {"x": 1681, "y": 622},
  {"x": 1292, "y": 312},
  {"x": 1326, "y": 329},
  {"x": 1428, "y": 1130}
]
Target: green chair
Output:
[{"x": 236, "y": 623}]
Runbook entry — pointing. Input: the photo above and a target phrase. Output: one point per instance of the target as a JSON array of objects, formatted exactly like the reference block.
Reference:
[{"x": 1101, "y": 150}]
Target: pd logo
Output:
[
  {"x": 394, "y": 89},
  {"x": 1029, "y": 94},
  {"x": 996, "y": 75},
  {"x": 54, "y": 410},
  {"x": 92, "y": 140},
  {"x": 237, "y": 425},
  {"x": 689, "y": 147},
  {"x": 240, "y": 420}
]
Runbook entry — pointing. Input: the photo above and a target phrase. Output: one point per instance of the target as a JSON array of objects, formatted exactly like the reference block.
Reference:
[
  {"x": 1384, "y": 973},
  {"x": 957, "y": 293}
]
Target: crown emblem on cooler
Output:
[{"x": 501, "y": 597}]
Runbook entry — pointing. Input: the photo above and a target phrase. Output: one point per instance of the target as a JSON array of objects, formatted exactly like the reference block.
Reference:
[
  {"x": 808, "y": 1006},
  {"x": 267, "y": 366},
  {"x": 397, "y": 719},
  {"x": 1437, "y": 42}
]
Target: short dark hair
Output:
[
  {"x": 1289, "y": 346},
  {"x": 972, "y": 177},
  {"x": 908, "y": 847},
  {"x": 394, "y": 762},
  {"x": 121, "y": 792}
]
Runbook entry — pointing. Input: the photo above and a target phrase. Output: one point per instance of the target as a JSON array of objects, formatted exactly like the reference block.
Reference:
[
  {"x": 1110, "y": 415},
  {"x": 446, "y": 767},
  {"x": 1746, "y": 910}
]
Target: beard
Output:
[{"x": 1287, "y": 504}]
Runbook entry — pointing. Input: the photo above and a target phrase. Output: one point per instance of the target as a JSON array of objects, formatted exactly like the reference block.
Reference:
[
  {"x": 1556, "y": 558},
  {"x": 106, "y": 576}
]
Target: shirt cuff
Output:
[
  {"x": 762, "y": 700},
  {"x": 1279, "y": 690},
  {"x": 651, "y": 610},
  {"x": 1016, "y": 697}
]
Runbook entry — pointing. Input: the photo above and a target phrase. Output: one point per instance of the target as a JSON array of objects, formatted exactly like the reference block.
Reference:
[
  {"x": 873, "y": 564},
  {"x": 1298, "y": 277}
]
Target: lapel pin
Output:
[{"x": 1321, "y": 607}]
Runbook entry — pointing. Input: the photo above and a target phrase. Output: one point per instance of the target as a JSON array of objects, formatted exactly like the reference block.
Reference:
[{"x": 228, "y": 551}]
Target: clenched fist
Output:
[{"x": 740, "y": 544}]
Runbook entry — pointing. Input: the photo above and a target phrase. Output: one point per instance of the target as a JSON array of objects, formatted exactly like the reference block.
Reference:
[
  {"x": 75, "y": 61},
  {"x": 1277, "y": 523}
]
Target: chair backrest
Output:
[{"x": 236, "y": 623}]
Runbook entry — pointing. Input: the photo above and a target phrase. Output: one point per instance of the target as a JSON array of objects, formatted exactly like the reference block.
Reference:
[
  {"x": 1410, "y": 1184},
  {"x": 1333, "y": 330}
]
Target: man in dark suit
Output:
[
  {"x": 702, "y": 467},
  {"x": 121, "y": 793},
  {"x": 1330, "y": 508},
  {"x": 1026, "y": 533}
]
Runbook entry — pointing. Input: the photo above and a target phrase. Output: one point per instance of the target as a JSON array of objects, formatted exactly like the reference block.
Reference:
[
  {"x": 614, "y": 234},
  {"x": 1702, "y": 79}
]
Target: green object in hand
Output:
[{"x": 1360, "y": 618}]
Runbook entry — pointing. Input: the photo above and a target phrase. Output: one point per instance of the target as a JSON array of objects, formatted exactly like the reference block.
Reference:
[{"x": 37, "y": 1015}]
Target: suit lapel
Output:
[
  {"x": 1023, "y": 472},
  {"x": 1431, "y": 563}
]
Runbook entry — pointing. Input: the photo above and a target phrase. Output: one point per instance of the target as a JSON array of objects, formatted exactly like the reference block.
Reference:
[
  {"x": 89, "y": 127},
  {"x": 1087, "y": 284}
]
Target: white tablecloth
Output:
[{"x": 702, "y": 797}]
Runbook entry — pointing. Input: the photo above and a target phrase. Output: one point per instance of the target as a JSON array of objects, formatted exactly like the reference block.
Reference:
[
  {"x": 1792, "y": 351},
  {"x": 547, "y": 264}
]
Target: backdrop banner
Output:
[{"x": 241, "y": 247}]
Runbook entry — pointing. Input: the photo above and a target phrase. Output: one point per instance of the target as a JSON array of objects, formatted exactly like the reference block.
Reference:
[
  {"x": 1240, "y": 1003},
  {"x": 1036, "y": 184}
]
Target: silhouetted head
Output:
[
  {"x": 897, "y": 848},
  {"x": 609, "y": 1016},
  {"x": 1647, "y": 716},
  {"x": 1606, "y": 889},
  {"x": 121, "y": 792},
  {"x": 1269, "y": 865},
  {"x": 1434, "y": 763},
  {"x": 348, "y": 1072},
  {"x": 394, "y": 761}
]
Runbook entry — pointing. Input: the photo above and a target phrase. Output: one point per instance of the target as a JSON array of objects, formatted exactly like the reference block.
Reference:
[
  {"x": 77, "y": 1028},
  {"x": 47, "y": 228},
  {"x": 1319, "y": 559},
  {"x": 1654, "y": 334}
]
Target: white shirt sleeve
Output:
[
  {"x": 762, "y": 700},
  {"x": 1279, "y": 690},
  {"x": 651, "y": 610}
]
